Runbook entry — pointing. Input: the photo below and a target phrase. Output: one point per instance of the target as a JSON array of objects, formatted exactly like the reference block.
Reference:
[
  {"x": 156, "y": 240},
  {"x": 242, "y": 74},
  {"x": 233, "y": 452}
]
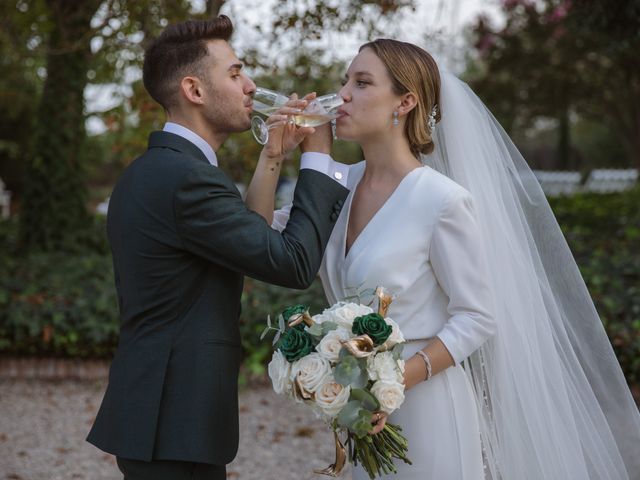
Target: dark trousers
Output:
[{"x": 170, "y": 470}]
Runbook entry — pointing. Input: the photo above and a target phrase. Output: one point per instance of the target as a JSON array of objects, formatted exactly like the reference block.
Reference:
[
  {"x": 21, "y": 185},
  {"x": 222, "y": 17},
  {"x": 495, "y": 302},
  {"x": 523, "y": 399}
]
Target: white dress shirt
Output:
[{"x": 194, "y": 138}]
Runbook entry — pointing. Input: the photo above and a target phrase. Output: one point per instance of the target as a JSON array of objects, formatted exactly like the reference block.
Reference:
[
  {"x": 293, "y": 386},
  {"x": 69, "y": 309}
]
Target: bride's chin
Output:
[{"x": 344, "y": 134}]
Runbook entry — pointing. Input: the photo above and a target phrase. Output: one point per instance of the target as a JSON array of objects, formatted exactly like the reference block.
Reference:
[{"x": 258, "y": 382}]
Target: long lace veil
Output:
[{"x": 552, "y": 399}]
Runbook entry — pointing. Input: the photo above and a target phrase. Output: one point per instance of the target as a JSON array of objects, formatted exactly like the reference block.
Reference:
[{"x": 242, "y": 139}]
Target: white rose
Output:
[
  {"x": 389, "y": 394},
  {"x": 330, "y": 346},
  {"x": 310, "y": 371},
  {"x": 280, "y": 372},
  {"x": 384, "y": 367},
  {"x": 395, "y": 337},
  {"x": 331, "y": 397},
  {"x": 344, "y": 313},
  {"x": 319, "y": 318}
]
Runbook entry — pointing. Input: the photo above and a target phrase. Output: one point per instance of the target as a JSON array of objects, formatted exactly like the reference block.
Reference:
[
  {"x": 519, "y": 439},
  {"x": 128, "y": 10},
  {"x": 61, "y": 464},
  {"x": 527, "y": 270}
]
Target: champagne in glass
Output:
[
  {"x": 265, "y": 102},
  {"x": 319, "y": 111}
]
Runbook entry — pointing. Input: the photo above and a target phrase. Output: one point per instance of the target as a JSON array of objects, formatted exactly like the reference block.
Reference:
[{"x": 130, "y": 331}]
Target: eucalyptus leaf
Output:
[
  {"x": 281, "y": 322},
  {"x": 264, "y": 332},
  {"x": 366, "y": 399},
  {"x": 350, "y": 372},
  {"x": 269, "y": 321},
  {"x": 327, "y": 327},
  {"x": 355, "y": 418},
  {"x": 316, "y": 330},
  {"x": 276, "y": 337},
  {"x": 396, "y": 351},
  {"x": 344, "y": 353},
  {"x": 349, "y": 414},
  {"x": 362, "y": 426}
]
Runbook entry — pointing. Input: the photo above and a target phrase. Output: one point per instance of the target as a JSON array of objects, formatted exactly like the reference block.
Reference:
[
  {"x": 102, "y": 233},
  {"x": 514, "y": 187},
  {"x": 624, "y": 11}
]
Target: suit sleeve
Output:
[
  {"x": 460, "y": 266},
  {"x": 215, "y": 224}
]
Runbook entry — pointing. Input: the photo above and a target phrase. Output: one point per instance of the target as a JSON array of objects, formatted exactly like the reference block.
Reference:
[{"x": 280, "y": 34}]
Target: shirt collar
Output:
[{"x": 194, "y": 138}]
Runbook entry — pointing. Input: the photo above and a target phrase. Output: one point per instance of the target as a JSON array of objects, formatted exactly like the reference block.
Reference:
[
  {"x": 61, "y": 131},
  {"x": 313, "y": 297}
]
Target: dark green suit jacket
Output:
[{"x": 182, "y": 239}]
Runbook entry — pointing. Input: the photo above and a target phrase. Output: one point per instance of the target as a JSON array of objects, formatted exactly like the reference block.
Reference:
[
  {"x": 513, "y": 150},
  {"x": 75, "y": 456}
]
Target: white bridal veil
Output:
[{"x": 552, "y": 399}]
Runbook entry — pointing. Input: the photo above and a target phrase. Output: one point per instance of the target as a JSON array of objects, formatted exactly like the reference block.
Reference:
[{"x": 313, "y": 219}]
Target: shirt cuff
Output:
[{"x": 323, "y": 163}]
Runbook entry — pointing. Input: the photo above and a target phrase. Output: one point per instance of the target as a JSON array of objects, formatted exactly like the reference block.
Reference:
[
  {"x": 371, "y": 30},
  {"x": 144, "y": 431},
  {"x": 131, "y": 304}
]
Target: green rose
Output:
[
  {"x": 290, "y": 311},
  {"x": 373, "y": 325},
  {"x": 295, "y": 344}
]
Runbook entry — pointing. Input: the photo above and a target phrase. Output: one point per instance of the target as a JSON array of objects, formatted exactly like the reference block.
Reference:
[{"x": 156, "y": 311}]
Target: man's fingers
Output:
[
  {"x": 277, "y": 119},
  {"x": 289, "y": 110}
]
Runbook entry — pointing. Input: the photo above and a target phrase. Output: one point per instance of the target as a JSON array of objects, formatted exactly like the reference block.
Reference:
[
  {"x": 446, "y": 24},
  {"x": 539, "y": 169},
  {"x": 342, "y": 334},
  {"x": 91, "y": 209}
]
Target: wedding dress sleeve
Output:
[
  {"x": 281, "y": 217},
  {"x": 459, "y": 264}
]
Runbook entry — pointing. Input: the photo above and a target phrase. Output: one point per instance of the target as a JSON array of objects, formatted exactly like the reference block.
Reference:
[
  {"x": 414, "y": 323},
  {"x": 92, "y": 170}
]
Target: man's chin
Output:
[{"x": 245, "y": 126}]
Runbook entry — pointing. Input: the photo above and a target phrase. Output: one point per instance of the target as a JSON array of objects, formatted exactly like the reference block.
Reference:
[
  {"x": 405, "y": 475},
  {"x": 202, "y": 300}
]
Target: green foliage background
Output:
[{"x": 65, "y": 305}]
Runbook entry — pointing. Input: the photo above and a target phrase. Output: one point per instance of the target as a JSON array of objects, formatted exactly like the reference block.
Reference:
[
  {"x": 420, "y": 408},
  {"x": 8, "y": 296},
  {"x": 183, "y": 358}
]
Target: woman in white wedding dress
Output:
[{"x": 446, "y": 215}]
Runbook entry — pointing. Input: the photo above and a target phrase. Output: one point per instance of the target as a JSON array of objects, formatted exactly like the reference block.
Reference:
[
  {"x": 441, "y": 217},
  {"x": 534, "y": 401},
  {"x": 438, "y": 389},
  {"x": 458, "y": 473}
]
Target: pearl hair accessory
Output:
[{"x": 431, "y": 119}]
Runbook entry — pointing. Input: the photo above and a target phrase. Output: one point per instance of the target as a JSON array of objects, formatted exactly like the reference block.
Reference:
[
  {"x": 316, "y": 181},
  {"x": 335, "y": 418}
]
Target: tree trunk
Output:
[
  {"x": 53, "y": 210},
  {"x": 214, "y": 6},
  {"x": 564, "y": 140}
]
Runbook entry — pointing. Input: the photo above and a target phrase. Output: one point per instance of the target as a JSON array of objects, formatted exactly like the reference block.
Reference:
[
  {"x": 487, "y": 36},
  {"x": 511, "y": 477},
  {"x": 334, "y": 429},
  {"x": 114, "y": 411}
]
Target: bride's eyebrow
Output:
[{"x": 362, "y": 73}]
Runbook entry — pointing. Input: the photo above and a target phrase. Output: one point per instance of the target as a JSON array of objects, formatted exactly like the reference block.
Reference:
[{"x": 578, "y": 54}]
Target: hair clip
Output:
[{"x": 431, "y": 120}]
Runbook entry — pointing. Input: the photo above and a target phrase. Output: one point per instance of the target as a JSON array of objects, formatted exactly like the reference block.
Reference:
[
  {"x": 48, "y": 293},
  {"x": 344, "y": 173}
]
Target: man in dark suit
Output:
[{"x": 182, "y": 239}]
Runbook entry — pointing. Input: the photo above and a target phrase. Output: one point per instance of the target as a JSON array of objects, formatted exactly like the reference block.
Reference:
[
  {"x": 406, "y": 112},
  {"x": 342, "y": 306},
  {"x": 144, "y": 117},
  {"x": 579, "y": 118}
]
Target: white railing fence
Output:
[{"x": 598, "y": 181}]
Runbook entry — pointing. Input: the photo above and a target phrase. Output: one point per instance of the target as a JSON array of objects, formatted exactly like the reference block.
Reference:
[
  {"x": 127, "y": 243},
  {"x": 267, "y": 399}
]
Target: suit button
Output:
[
  {"x": 341, "y": 202},
  {"x": 334, "y": 216},
  {"x": 337, "y": 175}
]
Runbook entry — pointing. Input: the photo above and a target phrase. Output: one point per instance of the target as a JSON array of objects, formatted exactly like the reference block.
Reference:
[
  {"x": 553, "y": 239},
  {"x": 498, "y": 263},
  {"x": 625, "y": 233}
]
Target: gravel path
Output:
[{"x": 43, "y": 425}]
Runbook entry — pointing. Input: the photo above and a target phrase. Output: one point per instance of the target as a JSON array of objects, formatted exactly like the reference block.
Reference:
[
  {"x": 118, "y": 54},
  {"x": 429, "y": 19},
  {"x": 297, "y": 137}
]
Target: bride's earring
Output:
[{"x": 396, "y": 122}]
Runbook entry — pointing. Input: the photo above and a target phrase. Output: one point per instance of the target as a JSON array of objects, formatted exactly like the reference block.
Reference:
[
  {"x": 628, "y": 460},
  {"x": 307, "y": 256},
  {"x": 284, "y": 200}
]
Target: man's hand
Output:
[{"x": 285, "y": 136}]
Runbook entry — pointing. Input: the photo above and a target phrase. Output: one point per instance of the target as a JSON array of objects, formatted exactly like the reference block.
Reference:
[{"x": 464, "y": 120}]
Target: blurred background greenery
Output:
[{"x": 562, "y": 76}]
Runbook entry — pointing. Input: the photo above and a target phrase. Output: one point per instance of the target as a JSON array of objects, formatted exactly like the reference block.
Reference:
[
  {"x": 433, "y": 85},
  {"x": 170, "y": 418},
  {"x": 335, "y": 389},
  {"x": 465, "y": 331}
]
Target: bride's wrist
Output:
[
  {"x": 415, "y": 372},
  {"x": 272, "y": 163}
]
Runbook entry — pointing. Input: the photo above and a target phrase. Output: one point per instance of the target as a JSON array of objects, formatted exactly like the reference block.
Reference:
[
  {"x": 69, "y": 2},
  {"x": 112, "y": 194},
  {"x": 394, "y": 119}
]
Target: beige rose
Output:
[
  {"x": 389, "y": 394},
  {"x": 310, "y": 372},
  {"x": 330, "y": 346},
  {"x": 331, "y": 397}
]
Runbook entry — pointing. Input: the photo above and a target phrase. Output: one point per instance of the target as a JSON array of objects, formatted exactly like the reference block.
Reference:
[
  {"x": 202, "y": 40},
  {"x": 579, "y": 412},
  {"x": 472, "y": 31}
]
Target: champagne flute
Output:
[
  {"x": 319, "y": 111},
  {"x": 266, "y": 102}
]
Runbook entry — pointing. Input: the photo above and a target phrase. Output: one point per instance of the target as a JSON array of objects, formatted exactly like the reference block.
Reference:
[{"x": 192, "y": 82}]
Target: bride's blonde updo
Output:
[{"x": 412, "y": 69}]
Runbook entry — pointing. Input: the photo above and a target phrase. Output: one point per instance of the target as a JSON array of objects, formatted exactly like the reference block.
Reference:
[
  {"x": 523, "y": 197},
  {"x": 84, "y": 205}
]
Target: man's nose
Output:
[{"x": 250, "y": 87}]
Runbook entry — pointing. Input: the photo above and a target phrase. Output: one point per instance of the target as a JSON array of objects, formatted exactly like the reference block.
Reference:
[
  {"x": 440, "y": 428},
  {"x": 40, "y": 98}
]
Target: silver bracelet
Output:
[{"x": 427, "y": 362}]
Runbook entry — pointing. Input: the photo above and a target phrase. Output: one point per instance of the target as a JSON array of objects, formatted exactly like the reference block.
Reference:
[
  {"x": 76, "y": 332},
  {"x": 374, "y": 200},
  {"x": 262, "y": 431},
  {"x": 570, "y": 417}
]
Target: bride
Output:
[{"x": 509, "y": 373}]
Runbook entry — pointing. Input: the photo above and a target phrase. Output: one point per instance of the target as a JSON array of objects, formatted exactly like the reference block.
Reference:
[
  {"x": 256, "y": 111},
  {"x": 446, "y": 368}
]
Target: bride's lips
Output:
[{"x": 341, "y": 114}]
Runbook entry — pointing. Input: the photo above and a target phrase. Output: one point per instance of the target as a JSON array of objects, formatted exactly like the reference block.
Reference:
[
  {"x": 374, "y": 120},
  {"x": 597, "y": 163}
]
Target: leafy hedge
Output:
[
  {"x": 603, "y": 232},
  {"x": 65, "y": 304}
]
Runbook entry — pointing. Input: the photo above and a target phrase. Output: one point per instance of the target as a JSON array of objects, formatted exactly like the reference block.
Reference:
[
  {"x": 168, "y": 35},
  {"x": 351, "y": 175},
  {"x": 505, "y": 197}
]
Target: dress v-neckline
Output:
[{"x": 345, "y": 253}]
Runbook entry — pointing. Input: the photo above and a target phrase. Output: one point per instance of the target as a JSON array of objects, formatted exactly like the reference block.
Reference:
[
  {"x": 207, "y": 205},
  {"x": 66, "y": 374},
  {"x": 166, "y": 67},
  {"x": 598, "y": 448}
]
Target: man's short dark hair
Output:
[{"x": 178, "y": 52}]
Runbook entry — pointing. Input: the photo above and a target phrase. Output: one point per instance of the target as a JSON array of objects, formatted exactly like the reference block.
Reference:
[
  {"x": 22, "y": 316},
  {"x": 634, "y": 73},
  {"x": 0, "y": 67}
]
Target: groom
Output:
[{"x": 182, "y": 239}]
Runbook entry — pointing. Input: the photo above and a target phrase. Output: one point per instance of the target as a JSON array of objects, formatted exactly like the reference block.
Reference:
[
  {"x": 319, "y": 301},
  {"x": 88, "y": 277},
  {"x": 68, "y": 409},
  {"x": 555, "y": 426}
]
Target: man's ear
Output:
[
  {"x": 408, "y": 103},
  {"x": 191, "y": 89}
]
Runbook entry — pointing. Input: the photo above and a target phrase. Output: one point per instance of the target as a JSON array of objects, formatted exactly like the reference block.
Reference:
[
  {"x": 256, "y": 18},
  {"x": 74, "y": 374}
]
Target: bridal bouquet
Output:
[{"x": 345, "y": 364}]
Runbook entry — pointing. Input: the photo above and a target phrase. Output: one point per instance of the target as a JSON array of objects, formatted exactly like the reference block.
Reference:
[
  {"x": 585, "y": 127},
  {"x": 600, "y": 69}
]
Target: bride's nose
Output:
[{"x": 344, "y": 93}]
